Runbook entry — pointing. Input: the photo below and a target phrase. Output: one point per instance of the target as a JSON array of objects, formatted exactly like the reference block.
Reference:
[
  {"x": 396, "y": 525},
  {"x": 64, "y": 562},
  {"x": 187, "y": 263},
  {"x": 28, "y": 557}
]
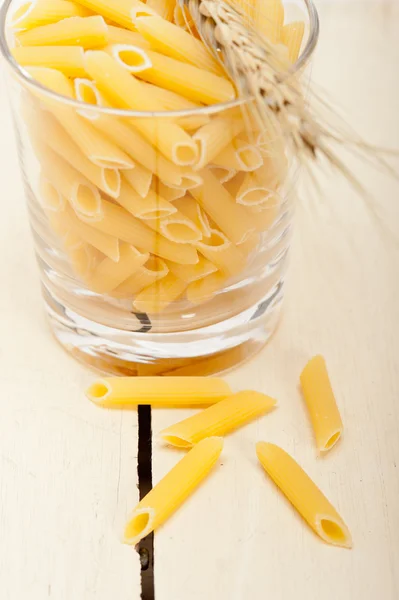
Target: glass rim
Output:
[{"x": 314, "y": 28}]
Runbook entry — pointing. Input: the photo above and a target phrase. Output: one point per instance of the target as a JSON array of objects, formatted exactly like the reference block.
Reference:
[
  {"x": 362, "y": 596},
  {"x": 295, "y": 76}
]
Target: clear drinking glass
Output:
[{"x": 148, "y": 266}]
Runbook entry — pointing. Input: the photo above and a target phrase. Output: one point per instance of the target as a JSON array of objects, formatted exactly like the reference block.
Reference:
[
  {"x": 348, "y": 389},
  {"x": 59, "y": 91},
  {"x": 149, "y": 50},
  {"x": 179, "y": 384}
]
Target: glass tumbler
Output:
[{"x": 161, "y": 237}]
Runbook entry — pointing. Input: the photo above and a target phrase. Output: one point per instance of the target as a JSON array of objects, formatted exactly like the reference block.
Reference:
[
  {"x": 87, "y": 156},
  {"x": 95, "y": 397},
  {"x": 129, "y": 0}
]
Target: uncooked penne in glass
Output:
[
  {"x": 108, "y": 275},
  {"x": 219, "y": 419},
  {"x": 131, "y": 58},
  {"x": 153, "y": 206},
  {"x": 205, "y": 289},
  {"x": 67, "y": 59},
  {"x": 117, "y": 11},
  {"x": 239, "y": 156},
  {"x": 86, "y": 91},
  {"x": 322, "y": 406},
  {"x": 304, "y": 495},
  {"x": 254, "y": 191},
  {"x": 106, "y": 244},
  {"x": 141, "y": 9},
  {"x": 158, "y": 296},
  {"x": 87, "y": 32},
  {"x": 177, "y": 228},
  {"x": 292, "y": 36},
  {"x": 111, "y": 392},
  {"x": 171, "y": 40},
  {"x": 190, "y": 273},
  {"x": 221, "y": 252},
  {"x": 169, "y": 193},
  {"x": 153, "y": 270},
  {"x": 166, "y": 497},
  {"x": 213, "y": 137},
  {"x": 43, "y": 12},
  {"x": 188, "y": 206},
  {"x": 83, "y": 260},
  {"x": 118, "y": 35},
  {"x": 140, "y": 179},
  {"x": 163, "y": 8}
]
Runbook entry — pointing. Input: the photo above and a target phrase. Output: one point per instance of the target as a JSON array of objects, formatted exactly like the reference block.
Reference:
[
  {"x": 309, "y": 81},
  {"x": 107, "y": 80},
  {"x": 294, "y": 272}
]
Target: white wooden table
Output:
[{"x": 68, "y": 471}]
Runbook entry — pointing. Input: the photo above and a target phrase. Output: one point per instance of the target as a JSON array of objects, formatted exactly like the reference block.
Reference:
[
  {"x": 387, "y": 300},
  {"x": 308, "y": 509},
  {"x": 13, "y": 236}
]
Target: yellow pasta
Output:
[
  {"x": 166, "y": 497},
  {"x": 250, "y": 244},
  {"x": 87, "y": 32},
  {"x": 178, "y": 228},
  {"x": 185, "y": 79},
  {"x": 205, "y": 289},
  {"x": 106, "y": 244},
  {"x": 220, "y": 251},
  {"x": 152, "y": 206},
  {"x": 43, "y": 12},
  {"x": 191, "y": 209},
  {"x": 183, "y": 18},
  {"x": 304, "y": 495},
  {"x": 171, "y": 40},
  {"x": 116, "y": 392},
  {"x": 83, "y": 260},
  {"x": 223, "y": 174},
  {"x": 155, "y": 298},
  {"x": 164, "y": 8},
  {"x": 292, "y": 36},
  {"x": 269, "y": 19},
  {"x": 131, "y": 58},
  {"x": 86, "y": 91},
  {"x": 119, "y": 223},
  {"x": 67, "y": 59},
  {"x": 115, "y": 81},
  {"x": 219, "y": 419},
  {"x": 118, "y": 11},
  {"x": 320, "y": 401},
  {"x": 169, "y": 193},
  {"x": 117, "y": 35},
  {"x": 140, "y": 179},
  {"x": 231, "y": 218},
  {"x": 214, "y": 137},
  {"x": 49, "y": 197},
  {"x": 108, "y": 275},
  {"x": 153, "y": 270},
  {"x": 141, "y": 9},
  {"x": 239, "y": 156},
  {"x": 190, "y": 273},
  {"x": 256, "y": 191}
]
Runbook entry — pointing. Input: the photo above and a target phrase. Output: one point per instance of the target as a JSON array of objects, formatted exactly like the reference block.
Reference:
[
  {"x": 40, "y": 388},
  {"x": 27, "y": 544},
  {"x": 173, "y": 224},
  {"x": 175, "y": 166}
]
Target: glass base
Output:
[{"x": 202, "y": 351}]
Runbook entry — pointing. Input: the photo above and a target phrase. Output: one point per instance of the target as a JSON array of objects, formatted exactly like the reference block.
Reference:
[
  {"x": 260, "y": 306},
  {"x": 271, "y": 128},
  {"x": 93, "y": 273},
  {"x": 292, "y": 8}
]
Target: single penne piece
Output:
[
  {"x": 140, "y": 179},
  {"x": 118, "y": 11},
  {"x": 213, "y": 137},
  {"x": 87, "y": 32},
  {"x": 116, "y": 82},
  {"x": 190, "y": 273},
  {"x": 178, "y": 228},
  {"x": 118, "y": 35},
  {"x": 169, "y": 100},
  {"x": 106, "y": 244},
  {"x": 292, "y": 36},
  {"x": 224, "y": 174},
  {"x": 46, "y": 127},
  {"x": 190, "y": 180},
  {"x": 108, "y": 275},
  {"x": 169, "y": 193},
  {"x": 83, "y": 260},
  {"x": 304, "y": 495},
  {"x": 231, "y": 218},
  {"x": 234, "y": 184},
  {"x": 191, "y": 209},
  {"x": 85, "y": 91},
  {"x": 130, "y": 140},
  {"x": 163, "y": 8},
  {"x": 158, "y": 296},
  {"x": 115, "y": 392},
  {"x": 265, "y": 215},
  {"x": 119, "y": 223},
  {"x": 49, "y": 197},
  {"x": 67, "y": 59},
  {"x": 239, "y": 156},
  {"x": 81, "y": 194},
  {"x": 132, "y": 58},
  {"x": 185, "y": 79},
  {"x": 221, "y": 252},
  {"x": 166, "y": 497},
  {"x": 250, "y": 244},
  {"x": 171, "y": 40},
  {"x": 202, "y": 290},
  {"x": 141, "y": 9},
  {"x": 153, "y": 206},
  {"x": 61, "y": 227},
  {"x": 219, "y": 419},
  {"x": 153, "y": 270},
  {"x": 43, "y": 12},
  {"x": 321, "y": 404},
  {"x": 269, "y": 19},
  {"x": 255, "y": 191}
]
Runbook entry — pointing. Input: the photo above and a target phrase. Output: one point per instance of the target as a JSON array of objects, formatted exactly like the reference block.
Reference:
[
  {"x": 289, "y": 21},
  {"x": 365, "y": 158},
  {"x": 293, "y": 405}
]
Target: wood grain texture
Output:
[{"x": 68, "y": 471}]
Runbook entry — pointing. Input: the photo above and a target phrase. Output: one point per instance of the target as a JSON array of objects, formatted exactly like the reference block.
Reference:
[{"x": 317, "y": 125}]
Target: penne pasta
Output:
[
  {"x": 169, "y": 193},
  {"x": 119, "y": 223},
  {"x": 111, "y": 78},
  {"x": 118, "y": 35},
  {"x": 231, "y": 218},
  {"x": 86, "y": 32},
  {"x": 83, "y": 260},
  {"x": 131, "y": 58},
  {"x": 153, "y": 270},
  {"x": 49, "y": 197},
  {"x": 166, "y": 497},
  {"x": 269, "y": 19},
  {"x": 185, "y": 79},
  {"x": 108, "y": 275},
  {"x": 140, "y": 179},
  {"x": 170, "y": 40},
  {"x": 292, "y": 36},
  {"x": 219, "y": 419},
  {"x": 178, "y": 228},
  {"x": 86, "y": 91},
  {"x": 250, "y": 244},
  {"x": 155, "y": 298},
  {"x": 169, "y": 100},
  {"x": 116, "y": 392},
  {"x": 163, "y": 8},
  {"x": 265, "y": 216},
  {"x": 118, "y": 11},
  {"x": 191, "y": 209},
  {"x": 190, "y": 273},
  {"x": 223, "y": 174},
  {"x": 221, "y": 252},
  {"x": 214, "y": 137},
  {"x": 205, "y": 289},
  {"x": 239, "y": 156},
  {"x": 106, "y": 244},
  {"x": 304, "y": 495},
  {"x": 153, "y": 206},
  {"x": 256, "y": 191},
  {"x": 67, "y": 59},
  {"x": 322, "y": 406},
  {"x": 43, "y": 12},
  {"x": 234, "y": 184},
  {"x": 141, "y": 9}
]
